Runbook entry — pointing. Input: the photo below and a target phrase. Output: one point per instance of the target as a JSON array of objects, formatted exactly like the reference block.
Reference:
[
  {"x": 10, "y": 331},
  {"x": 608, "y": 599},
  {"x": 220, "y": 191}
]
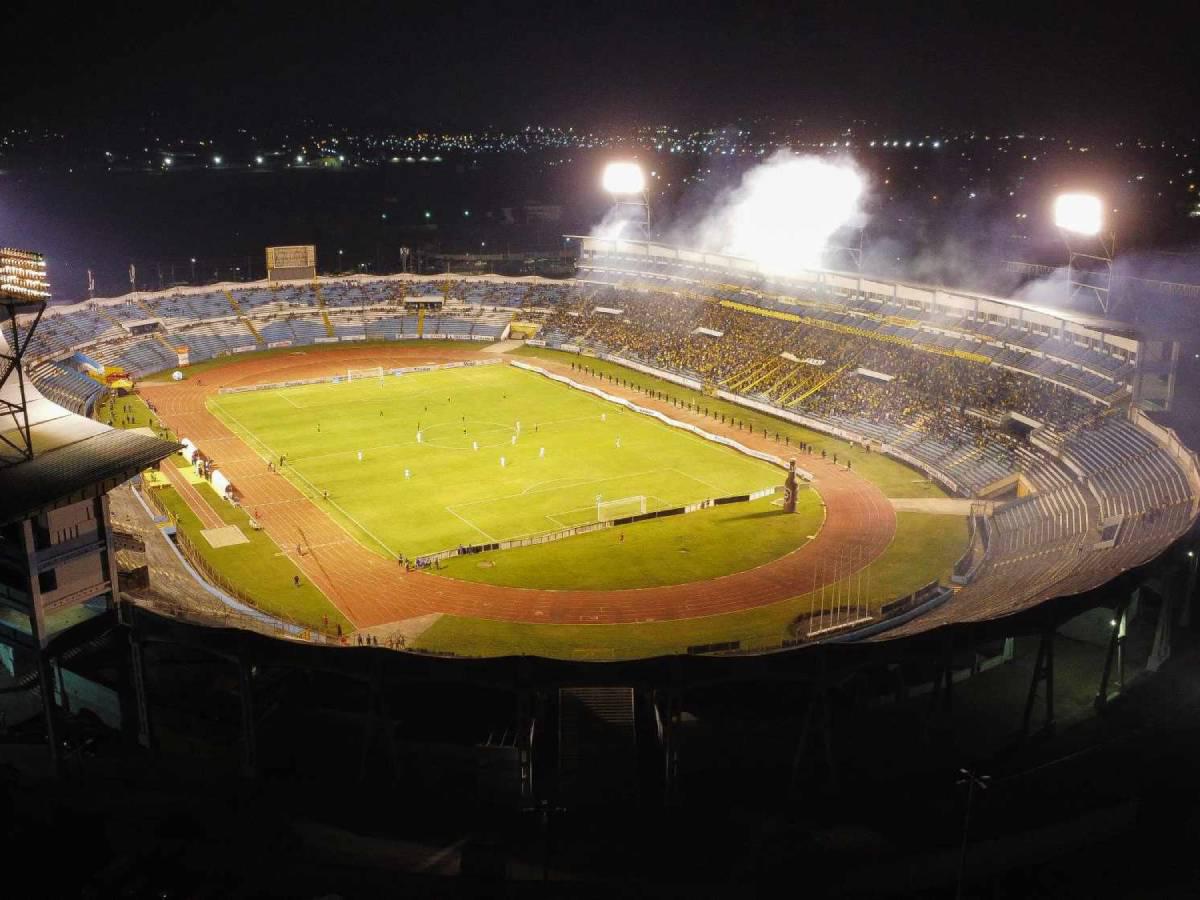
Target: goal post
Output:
[
  {"x": 607, "y": 510},
  {"x": 359, "y": 374}
]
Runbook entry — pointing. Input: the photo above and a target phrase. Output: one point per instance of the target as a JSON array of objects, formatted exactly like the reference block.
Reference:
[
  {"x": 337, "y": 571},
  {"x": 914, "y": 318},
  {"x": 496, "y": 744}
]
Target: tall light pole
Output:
[
  {"x": 626, "y": 183},
  {"x": 1090, "y": 245},
  {"x": 972, "y": 781}
]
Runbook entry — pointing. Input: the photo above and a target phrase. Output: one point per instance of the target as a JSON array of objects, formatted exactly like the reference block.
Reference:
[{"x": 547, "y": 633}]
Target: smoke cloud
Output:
[{"x": 783, "y": 212}]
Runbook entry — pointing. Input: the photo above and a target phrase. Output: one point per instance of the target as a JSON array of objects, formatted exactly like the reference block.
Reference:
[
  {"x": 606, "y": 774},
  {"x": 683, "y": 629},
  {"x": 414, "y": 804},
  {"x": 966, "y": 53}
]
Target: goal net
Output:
[
  {"x": 358, "y": 374},
  {"x": 606, "y": 510}
]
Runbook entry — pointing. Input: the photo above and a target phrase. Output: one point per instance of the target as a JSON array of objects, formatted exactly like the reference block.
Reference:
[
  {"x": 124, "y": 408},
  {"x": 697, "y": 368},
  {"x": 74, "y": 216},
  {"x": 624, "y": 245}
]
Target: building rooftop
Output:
[{"x": 73, "y": 457}]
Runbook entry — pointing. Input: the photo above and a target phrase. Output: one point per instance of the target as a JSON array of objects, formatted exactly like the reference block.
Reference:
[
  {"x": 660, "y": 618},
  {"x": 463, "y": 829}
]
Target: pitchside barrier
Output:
[
  {"x": 666, "y": 420},
  {"x": 337, "y": 379},
  {"x": 785, "y": 414},
  {"x": 430, "y": 559},
  {"x": 788, "y": 416}
]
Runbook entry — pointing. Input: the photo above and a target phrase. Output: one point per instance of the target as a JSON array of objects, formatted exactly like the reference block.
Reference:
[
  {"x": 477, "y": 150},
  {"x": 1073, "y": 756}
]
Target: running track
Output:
[{"x": 370, "y": 590}]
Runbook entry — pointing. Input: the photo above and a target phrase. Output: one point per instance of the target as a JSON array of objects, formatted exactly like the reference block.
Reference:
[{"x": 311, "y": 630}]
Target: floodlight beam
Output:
[
  {"x": 624, "y": 179},
  {"x": 1080, "y": 221},
  {"x": 626, "y": 182},
  {"x": 1079, "y": 214}
]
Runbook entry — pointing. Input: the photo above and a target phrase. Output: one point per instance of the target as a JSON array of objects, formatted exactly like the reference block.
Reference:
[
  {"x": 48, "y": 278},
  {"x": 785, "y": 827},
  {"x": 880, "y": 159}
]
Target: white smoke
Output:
[{"x": 784, "y": 212}]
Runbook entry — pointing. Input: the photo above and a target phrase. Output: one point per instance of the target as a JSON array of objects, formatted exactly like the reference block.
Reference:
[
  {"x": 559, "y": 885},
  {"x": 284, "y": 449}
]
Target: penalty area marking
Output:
[
  {"x": 271, "y": 454},
  {"x": 470, "y": 524}
]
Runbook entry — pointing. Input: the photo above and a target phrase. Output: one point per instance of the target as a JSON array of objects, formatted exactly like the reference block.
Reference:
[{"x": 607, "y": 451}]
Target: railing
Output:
[
  {"x": 272, "y": 622},
  {"x": 227, "y": 618},
  {"x": 431, "y": 559},
  {"x": 336, "y": 379}
]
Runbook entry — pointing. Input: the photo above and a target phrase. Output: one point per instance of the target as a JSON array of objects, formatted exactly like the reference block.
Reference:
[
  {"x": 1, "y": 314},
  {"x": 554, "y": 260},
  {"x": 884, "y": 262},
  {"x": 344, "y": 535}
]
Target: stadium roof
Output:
[
  {"x": 73, "y": 457},
  {"x": 1096, "y": 323}
]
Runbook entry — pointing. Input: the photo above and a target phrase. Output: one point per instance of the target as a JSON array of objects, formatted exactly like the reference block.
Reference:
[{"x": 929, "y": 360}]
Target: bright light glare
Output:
[
  {"x": 624, "y": 178},
  {"x": 784, "y": 212},
  {"x": 1080, "y": 213}
]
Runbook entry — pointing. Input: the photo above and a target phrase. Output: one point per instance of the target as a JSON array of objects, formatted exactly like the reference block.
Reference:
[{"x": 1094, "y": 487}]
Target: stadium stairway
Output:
[
  {"x": 597, "y": 746},
  {"x": 330, "y": 331},
  {"x": 162, "y": 339},
  {"x": 111, "y": 318},
  {"x": 242, "y": 317},
  {"x": 808, "y": 389}
]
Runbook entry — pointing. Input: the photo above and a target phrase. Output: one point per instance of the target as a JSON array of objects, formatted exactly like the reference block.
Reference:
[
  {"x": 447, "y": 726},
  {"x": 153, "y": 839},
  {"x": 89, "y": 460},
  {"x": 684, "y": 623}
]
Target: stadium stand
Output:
[{"x": 1037, "y": 420}]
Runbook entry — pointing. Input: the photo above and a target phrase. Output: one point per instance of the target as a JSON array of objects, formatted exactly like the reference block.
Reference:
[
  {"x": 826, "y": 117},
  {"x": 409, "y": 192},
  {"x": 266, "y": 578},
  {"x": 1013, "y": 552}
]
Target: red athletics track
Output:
[{"x": 370, "y": 590}]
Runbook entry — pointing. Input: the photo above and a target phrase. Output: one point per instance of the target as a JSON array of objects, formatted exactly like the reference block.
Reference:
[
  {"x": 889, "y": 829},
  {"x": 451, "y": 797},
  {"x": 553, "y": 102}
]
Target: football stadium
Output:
[{"x": 602, "y": 495}]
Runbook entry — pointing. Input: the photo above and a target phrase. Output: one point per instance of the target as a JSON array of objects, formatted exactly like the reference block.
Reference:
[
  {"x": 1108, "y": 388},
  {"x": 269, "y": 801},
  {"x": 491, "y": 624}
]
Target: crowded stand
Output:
[
  {"x": 1041, "y": 424},
  {"x": 935, "y": 397}
]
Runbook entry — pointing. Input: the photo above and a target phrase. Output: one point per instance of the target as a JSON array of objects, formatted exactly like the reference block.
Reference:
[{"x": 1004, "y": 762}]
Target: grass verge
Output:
[
  {"x": 893, "y": 478},
  {"x": 677, "y": 550},
  {"x": 926, "y": 546},
  {"x": 258, "y": 568}
]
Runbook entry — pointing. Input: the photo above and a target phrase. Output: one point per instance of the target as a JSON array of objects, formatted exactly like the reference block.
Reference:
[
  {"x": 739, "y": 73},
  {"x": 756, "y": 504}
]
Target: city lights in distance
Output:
[
  {"x": 624, "y": 178},
  {"x": 1079, "y": 213}
]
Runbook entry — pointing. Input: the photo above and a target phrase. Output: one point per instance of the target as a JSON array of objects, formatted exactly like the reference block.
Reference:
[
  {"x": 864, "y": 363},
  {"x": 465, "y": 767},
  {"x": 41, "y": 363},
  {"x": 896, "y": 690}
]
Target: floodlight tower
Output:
[
  {"x": 626, "y": 182},
  {"x": 1080, "y": 221},
  {"x": 24, "y": 290}
]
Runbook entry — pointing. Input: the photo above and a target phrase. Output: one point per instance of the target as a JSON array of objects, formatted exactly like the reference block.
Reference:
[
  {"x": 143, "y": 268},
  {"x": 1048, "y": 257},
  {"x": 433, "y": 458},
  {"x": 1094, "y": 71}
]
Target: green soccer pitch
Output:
[{"x": 431, "y": 475}]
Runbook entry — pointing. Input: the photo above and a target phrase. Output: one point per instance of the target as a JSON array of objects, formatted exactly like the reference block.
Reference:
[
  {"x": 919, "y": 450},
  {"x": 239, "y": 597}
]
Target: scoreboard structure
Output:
[{"x": 292, "y": 263}]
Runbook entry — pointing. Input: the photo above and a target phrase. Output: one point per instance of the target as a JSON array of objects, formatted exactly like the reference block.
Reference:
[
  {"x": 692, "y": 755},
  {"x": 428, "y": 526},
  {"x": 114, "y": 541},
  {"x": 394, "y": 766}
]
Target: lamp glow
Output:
[
  {"x": 624, "y": 178},
  {"x": 1078, "y": 213}
]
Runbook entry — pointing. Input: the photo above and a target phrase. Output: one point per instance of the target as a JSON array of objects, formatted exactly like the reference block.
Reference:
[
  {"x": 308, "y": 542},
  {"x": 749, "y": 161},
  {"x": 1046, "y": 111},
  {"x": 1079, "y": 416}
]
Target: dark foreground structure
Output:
[{"x": 1046, "y": 750}]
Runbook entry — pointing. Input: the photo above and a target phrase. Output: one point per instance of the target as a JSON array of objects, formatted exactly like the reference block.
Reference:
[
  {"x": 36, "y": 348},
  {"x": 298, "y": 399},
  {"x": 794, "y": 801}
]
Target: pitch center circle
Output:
[{"x": 464, "y": 435}]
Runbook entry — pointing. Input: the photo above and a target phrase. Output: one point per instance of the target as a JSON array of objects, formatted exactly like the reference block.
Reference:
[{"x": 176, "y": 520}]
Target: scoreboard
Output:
[{"x": 292, "y": 263}]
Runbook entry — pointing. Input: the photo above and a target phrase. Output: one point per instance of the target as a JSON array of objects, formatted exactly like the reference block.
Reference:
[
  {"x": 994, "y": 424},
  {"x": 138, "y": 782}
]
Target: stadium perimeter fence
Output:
[
  {"x": 338, "y": 379},
  {"x": 271, "y": 624},
  {"x": 430, "y": 559}
]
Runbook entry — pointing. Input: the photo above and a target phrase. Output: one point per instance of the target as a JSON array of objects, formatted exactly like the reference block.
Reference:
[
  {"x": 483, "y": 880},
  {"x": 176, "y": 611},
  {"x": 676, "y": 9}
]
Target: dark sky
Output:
[{"x": 1057, "y": 67}]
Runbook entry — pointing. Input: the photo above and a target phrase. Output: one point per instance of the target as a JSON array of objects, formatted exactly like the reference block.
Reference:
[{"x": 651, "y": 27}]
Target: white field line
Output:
[
  {"x": 411, "y": 443},
  {"x": 707, "y": 484},
  {"x": 579, "y": 483},
  {"x": 470, "y": 524},
  {"x": 393, "y": 384},
  {"x": 271, "y": 454}
]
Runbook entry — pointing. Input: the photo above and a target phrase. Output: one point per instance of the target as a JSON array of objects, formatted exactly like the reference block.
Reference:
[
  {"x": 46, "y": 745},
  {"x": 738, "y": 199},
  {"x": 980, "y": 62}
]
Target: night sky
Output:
[{"x": 1059, "y": 67}]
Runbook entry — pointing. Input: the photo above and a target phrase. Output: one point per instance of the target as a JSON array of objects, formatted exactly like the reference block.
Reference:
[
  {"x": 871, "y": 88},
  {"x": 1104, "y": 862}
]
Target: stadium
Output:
[
  {"x": 1005, "y": 442},
  {"x": 676, "y": 469}
]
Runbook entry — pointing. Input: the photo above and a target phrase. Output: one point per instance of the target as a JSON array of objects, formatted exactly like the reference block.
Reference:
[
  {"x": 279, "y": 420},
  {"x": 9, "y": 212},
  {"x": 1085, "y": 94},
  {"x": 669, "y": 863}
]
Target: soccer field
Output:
[{"x": 431, "y": 476}]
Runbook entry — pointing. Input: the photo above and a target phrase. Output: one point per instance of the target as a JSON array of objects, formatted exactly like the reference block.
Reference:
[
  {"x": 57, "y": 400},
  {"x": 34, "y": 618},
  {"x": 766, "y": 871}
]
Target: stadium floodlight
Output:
[
  {"x": 624, "y": 178},
  {"x": 23, "y": 276},
  {"x": 1079, "y": 213},
  {"x": 24, "y": 289},
  {"x": 626, "y": 182},
  {"x": 1080, "y": 219}
]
